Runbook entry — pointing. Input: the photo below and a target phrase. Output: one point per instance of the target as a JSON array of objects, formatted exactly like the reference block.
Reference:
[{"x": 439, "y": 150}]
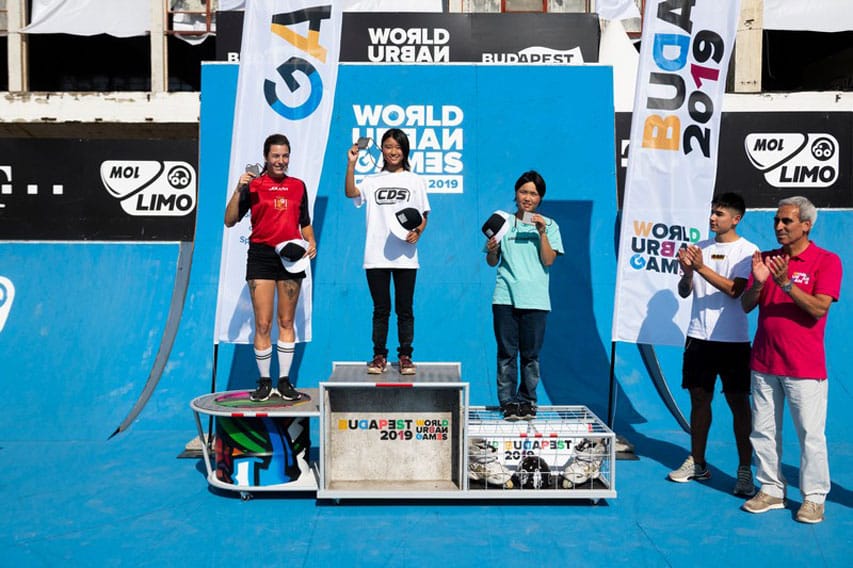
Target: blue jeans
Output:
[{"x": 519, "y": 333}]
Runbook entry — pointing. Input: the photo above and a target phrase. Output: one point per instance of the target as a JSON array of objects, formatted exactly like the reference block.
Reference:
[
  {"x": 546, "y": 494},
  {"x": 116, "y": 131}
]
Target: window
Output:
[
  {"x": 807, "y": 61},
  {"x": 524, "y": 6}
]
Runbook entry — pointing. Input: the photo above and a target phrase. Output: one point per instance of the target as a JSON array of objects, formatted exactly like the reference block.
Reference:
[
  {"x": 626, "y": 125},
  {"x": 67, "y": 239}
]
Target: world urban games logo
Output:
[
  {"x": 151, "y": 188},
  {"x": 794, "y": 160}
]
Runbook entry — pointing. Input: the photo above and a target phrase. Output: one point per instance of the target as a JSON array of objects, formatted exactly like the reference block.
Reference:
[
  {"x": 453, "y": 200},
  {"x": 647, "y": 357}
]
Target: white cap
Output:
[
  {"x": 405, "y": 219},
  {"x": 292, "y": 254},
  {"x": 496, "y": 226}
]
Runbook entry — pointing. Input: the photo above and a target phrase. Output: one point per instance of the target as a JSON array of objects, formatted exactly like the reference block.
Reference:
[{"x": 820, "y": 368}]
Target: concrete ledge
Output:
[{"x": 123, "y": 107}]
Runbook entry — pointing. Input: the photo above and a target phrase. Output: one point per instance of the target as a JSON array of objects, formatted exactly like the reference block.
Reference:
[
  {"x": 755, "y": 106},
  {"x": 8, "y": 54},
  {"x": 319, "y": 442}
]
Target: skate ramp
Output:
[{"x": 86, "y": 323}]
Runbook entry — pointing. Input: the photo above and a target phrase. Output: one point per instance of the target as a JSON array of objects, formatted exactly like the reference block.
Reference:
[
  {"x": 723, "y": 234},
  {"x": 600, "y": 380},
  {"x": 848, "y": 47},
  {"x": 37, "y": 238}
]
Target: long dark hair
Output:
[
  {"x": 400, "y": 137},
  {"x": 274, "y": 140}
]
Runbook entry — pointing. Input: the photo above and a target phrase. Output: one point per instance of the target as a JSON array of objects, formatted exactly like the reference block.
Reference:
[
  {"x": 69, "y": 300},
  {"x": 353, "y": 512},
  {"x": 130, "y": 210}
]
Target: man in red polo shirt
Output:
[{"x": 793, "y": 288}]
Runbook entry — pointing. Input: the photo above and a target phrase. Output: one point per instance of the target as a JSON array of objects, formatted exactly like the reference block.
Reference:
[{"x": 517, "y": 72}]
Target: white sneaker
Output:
[
  {"x": 585, "y": 464},
  {"x": 762, "y": 502},
  {"x": 483, "y": 464},
  {"x": 689, "y": 470},
  {"x": 810, "y": 512}
]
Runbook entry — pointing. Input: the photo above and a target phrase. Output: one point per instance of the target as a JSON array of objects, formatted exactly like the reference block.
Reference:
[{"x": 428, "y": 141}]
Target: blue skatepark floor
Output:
[{"x": 129, "y": 501}]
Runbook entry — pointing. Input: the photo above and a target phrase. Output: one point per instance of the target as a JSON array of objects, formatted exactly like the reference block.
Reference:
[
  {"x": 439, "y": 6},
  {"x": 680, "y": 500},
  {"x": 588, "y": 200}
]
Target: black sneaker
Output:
[
  {"x": 286, "y": 390},
  {"x": 510, "y": 410},
  {"x": 264, "y": 390},
  {"x": 526, "y": 411}
]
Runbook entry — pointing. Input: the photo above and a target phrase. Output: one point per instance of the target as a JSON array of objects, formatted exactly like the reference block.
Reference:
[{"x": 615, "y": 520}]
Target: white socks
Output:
[
  {"x": 285, "y": 357},
  {"x": 263, "y": 358}
]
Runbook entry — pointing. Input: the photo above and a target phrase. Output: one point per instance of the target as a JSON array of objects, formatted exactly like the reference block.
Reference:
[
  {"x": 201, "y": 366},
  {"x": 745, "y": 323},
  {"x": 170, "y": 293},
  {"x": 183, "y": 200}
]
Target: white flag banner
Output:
[
  {"x": 363, "y": 5},
  {"x": 801, "y": 15},
  {"x": 226, "y": 5},
  {"x": 672, "y": 161},
  {"x": 286, "y": 84},
  {"x": 127, "y": 18},
  {"x": 617, "y": 50},
  {"x": 615, "y": 10},
  {"x": 392, "y": 6}
]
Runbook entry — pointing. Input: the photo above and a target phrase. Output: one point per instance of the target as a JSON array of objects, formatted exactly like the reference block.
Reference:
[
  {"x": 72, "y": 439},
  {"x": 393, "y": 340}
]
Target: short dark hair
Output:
[
  {"x": 275, "y": 140},
  {"x": 403, "y": 141},
  {"x": 730, "y": 200},
  {"x": 532, "y": 176}
]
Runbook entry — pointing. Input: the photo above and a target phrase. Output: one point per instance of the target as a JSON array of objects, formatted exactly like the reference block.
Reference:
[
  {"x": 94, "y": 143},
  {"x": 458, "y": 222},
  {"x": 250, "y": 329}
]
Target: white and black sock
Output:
[
  {"x": 285, "y": 358},
  {"x": 263, "y": 357}
]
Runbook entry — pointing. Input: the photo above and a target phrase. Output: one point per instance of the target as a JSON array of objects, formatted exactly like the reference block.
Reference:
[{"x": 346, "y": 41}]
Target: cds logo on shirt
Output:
[
  {"x": 794, "y": 160},
  {"x": 391, "y": 195}
]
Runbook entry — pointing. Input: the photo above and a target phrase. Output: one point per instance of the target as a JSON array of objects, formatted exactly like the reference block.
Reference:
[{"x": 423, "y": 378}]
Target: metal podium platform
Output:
[
  {"x": 393, "y": 436},
  {"x": 435, "y": 373},
  {"x": 259, "y": 446}
]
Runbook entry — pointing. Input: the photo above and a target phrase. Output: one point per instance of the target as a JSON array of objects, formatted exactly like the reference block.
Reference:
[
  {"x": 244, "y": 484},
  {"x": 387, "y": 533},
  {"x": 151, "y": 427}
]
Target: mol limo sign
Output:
[
  {"x": 794, "y": 160},
  {"x": 150, "y": 187},
  {"x": 98, "y": 189}
]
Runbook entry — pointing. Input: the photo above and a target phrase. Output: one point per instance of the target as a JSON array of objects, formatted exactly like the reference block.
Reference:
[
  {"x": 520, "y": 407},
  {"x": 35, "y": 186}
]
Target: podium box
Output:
[
  {"x": 258, "y": 447},
  {"x": 392, "y": 435},
  {"x": 566, "y": 452}
]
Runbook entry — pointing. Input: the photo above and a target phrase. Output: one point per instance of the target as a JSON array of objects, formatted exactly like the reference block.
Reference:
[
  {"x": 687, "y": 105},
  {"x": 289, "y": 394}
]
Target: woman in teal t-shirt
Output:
[{"x": 521, "y": 301}]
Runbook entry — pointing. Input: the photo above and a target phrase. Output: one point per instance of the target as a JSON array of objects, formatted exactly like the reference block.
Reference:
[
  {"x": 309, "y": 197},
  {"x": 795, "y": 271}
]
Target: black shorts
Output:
[
  {"x": 262, "y": 263},
  {"x": 704, "y": 360}
]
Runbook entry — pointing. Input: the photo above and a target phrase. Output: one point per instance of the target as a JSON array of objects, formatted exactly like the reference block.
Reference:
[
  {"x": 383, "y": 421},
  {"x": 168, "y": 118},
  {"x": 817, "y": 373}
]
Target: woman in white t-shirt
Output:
[{"x": 388, "y": 256}]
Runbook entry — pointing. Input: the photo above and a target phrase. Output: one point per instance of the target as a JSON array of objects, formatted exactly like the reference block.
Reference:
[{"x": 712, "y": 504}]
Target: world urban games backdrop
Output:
[{"x": 474, "y": 130}]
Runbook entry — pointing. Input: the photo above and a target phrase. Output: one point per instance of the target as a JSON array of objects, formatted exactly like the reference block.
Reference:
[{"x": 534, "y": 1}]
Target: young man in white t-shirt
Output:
[{"x": 715, "y": 271}]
